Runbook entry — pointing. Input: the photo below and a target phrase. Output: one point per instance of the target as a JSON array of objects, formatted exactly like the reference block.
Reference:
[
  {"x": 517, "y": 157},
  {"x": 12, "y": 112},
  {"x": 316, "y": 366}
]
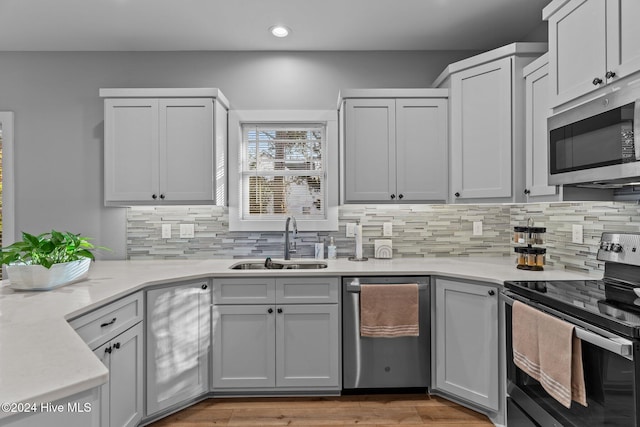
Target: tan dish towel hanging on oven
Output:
[
  {"x": 389, "y": 310},
  {"x": 547, "y": 349}
]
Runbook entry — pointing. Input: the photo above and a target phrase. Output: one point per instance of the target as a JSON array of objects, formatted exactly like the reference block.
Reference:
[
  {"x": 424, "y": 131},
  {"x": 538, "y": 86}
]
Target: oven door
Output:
[{"x": 611, "y": 379}]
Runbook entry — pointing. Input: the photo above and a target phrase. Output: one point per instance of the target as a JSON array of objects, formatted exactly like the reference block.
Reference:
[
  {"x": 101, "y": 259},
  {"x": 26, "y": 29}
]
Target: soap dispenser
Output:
[{"x": 331, "y": 249}]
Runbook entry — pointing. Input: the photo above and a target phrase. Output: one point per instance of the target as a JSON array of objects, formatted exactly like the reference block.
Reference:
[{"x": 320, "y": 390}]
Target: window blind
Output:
[{"x": 283, "y": 171}]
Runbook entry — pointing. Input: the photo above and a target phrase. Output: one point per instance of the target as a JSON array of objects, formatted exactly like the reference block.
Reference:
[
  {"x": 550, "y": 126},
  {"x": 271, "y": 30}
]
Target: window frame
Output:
[{"x": 236, "y": 119}]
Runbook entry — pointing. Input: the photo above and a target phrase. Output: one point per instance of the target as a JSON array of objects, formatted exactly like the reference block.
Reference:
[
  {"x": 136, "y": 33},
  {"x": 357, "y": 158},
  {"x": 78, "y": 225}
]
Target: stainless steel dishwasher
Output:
[{"x": 370, "y": 363}]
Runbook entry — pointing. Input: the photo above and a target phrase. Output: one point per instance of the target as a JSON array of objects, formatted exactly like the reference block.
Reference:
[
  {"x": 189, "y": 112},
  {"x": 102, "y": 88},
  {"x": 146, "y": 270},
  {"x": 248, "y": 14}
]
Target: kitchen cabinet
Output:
[
  {"x": 164, "y": 146},
  {"x": 467, "y": 342},
  {"x": 178, "y": 337},
  {"x": 121, "y": 398},
  {"x": 592, "y": 43},
  {"x": 536, "y": 77},
  {"x": 115, "y": 334},
  {"x": 486, "y": 97},
  {"x": 395, "y": 145},
  {"x": 276, "y": 334}
]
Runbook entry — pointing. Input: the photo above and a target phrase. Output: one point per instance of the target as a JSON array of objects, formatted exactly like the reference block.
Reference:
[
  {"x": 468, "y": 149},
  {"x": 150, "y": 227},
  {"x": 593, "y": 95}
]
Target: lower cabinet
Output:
[
  {"x": 293, "y": 341},
  {"x": 121, "y": 398},
  {"x": 467, "y": 342},
  {"x": 177, "y": 362}
]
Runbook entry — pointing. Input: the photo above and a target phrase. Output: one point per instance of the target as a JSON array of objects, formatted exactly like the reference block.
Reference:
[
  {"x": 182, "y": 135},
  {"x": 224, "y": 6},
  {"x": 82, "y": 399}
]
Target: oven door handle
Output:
[{"x": 618, "y": 345}]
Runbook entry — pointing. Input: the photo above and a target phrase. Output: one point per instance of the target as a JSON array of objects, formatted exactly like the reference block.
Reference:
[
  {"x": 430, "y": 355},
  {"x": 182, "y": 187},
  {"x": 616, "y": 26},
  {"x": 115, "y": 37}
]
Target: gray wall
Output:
[{"x": 59, "y": 116}]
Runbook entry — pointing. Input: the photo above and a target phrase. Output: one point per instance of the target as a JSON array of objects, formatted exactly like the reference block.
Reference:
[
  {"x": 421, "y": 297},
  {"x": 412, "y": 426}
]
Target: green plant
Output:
[{"x": 48, "y": 248}]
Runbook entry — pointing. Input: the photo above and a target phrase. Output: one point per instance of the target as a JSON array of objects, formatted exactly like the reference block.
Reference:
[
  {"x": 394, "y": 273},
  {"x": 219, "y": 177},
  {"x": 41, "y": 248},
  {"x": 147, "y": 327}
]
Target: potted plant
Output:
[{"x": 48, "y": 260}]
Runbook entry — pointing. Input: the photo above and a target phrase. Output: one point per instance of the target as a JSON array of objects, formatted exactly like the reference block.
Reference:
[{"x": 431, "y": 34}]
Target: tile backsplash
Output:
[{"x": 418, "y": 231}]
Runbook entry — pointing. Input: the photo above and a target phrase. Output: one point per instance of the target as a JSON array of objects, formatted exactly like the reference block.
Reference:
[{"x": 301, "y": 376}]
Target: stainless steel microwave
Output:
[{"x": 596, "y": 143}]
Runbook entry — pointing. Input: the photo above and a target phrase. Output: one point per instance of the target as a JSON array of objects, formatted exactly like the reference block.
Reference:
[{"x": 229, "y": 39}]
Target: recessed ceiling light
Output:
[{"x": 280, "y": 31}]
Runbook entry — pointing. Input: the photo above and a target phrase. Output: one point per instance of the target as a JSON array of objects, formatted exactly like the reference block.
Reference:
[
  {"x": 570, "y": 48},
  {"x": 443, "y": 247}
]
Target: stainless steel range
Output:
[{"x": 606, "y": 315}]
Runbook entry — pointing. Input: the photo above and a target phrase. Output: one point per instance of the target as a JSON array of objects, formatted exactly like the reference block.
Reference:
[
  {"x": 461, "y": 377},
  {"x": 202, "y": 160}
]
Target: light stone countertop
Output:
[{"x": 42, "y": 359}]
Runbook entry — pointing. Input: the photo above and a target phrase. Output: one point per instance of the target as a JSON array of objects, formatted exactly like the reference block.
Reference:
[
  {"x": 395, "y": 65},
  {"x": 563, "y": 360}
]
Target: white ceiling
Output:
[{"x": 124, "y": 25}]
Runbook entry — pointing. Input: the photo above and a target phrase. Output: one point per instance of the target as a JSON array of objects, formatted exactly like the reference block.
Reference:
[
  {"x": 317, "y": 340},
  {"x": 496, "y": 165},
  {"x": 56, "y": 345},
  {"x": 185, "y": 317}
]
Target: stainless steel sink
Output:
[{"x": 269, "y": 264}]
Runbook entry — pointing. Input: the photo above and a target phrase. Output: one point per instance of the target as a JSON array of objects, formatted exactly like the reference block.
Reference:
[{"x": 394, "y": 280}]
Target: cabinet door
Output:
[
  {"x": 467, "y": 341},
  {"x": 178, "y": 319},
  {"x": 307, "y": 345},
  {"x": 186, "y": 149},
  {"x": 370, "y": 163},
  {"x": 481, "y": 131},
  {"x": 125, "y": 378},
  {"x": 623, "y": 37},
  {"x": 421, "y": 149},
  {"x": 577, "y": 49},
  {"x": 131, "y": 149},
  {"x": 537, "y": 111},
  {"x": 104, "y": 354},
  {"x": 243, "y": 346}
]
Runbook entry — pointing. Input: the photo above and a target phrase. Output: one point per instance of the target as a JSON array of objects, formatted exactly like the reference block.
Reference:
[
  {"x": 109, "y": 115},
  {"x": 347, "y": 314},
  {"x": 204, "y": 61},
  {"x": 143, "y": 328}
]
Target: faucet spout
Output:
[{"x": 288, "y": 250}]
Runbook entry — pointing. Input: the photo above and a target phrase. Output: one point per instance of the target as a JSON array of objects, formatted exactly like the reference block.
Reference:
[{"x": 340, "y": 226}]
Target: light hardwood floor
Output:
[{"x": 362, "y": 410}]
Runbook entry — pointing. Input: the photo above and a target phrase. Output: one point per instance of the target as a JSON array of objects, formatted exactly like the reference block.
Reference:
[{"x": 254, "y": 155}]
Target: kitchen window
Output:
[{"x": 284, "y": 168}]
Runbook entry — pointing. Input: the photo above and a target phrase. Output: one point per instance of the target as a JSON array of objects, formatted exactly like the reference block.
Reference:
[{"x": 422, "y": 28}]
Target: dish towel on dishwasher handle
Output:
[
  {"x": 547, "y": 349},
  {"x": 389, "y": 310}
]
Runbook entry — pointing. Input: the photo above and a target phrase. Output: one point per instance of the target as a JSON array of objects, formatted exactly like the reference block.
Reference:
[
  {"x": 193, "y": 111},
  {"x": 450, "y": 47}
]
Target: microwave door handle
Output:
[{"x": 618, "y": 345}]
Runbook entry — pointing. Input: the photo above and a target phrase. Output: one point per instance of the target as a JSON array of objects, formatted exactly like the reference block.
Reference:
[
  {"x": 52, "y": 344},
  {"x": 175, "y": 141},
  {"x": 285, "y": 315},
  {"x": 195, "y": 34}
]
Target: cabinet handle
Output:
[
  {"x": 108, "y": 350},
  {"x": 162, "y": 196},
  {"x": 526, "y": 191},
  {"x": 116, "y": 346},
  {"x": 610, "y": 74},
  {"x": 393, "y": 196},
  {"x": 108, "y": 323},
  {"x": 154, "y": 196},
  {"x": 457, "y": 194},
  {"x": 597, "y": 81},
  {"x": 204, "y": 286},
  {"x": 270, "y": 310},
  {"x": 279, "y": 310},
  {"x": 492, "y": 292},
  {"x": 401, "y": 196}
]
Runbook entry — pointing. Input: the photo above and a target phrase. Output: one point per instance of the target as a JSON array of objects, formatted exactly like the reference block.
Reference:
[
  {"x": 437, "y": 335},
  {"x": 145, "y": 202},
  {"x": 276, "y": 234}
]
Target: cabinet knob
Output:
[
  {"x": 457, "y": 194},
  {"x": 393, "y": 196},
  {"x": 270, "y": 310},
  {"x": 401, "y": 196},
  {"x": 597, "y": 81},
  {"x": 154, "y": 196},
  {"x": 527, "y": 191},
  {"x": 610, "y": 74},
  {"x": 492, "y": 292},
  {"x": 162, "y": 196},
  {"x": 116, "y": 346},
  {"x": 279, "y": 310},
  {"x": 204, "y": 286},
  {"x": 108, "y": 350}
]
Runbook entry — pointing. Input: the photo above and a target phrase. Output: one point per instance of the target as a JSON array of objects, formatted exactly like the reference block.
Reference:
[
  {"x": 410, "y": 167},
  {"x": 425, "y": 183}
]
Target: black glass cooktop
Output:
[{"x": 585, "y": 300}]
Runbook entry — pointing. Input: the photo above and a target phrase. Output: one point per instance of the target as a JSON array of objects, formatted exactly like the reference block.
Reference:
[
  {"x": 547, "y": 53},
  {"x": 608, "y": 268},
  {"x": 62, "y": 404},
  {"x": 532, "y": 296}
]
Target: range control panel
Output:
[{"x": 623, "y": 248}]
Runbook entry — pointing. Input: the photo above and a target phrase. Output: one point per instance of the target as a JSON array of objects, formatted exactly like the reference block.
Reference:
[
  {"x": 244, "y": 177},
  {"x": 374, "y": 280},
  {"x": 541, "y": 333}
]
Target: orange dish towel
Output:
[
  {"x": 389, "y": 310},
  {"x": 547, "y": 349}
]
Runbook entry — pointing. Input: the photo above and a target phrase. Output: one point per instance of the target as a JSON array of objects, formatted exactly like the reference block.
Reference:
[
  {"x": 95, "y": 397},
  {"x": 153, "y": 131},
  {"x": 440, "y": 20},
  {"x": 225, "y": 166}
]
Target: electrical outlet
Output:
[
  {"x": 166, "y": 231},
  {"x": 351, "y": 229},
  {"x": 576, "y": 234},
  {"x": 477, "y": 228},
  {"x": 387, "y": 229},
  {"x": 187, "y": 231}
]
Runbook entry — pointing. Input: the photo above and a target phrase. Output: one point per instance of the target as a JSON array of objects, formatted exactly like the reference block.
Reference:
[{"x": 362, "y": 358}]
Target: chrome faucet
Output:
[{"x": 288, "y": 250}]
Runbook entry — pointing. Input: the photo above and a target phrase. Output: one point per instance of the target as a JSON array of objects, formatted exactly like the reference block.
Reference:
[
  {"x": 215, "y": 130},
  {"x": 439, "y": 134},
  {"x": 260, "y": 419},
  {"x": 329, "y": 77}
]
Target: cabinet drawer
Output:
[
  {"x": 244, "y": 291},
  {"x": 105, "y": 323},
  {"x": 307, "y": 290}
]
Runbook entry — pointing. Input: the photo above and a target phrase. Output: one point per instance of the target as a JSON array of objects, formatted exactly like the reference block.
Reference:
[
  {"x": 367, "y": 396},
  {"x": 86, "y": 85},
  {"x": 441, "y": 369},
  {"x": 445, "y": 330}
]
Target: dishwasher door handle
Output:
[{"x": 355, "y": 287}]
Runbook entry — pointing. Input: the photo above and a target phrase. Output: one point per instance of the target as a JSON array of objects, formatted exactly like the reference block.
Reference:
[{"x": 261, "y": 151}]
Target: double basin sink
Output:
[{"x": 279, "y": 264}]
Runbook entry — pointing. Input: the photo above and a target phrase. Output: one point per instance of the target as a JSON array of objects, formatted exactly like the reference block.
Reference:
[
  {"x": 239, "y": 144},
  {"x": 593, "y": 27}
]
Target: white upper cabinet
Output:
[
  {"x": 487, "y": 124},
  {"x": 162, "y": 145},
  {"x": 395, "y": 145},
  {"x": 536, "y": 76},
  {"x": 592, "y": 43}
]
